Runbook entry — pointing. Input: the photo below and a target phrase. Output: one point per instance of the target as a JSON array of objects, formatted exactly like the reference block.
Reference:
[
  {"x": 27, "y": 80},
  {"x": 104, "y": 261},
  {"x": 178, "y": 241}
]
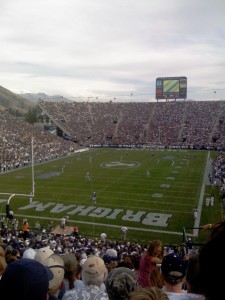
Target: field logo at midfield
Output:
[{"x": 120, "y": 164}]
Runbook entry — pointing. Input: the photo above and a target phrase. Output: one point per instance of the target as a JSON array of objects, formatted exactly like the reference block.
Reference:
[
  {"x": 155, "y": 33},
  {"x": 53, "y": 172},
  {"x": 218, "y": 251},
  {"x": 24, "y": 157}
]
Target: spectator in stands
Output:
[
  {"x": 25, "y": 279},
  {"x": 152, "y": 293},
  {"x": 56, "y": 265},
  {"x": 75, "y": 232},
  {"x": 174, "y": 271},
  {"x": 25, "y": 229},
  {"x": 70, "y": 278},
  {"x": 149, "y": 260},
  {"x": 212, "y": 263},
  {"x": 192, "y": 280},
  {"x": 29, "y": 253},
  {"x": 13, "y": 255},
  {"x": 121, "y": 283},
  {"x": 103, "y": 237},
  {"x": 3, "y": 263},
  {"x": 94, "y": 273}
]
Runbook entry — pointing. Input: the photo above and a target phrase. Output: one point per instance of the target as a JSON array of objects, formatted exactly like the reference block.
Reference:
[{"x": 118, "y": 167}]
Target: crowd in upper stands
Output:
[
  {"x": 166, "y": 124},
  {"x": 162, "y": 123}
]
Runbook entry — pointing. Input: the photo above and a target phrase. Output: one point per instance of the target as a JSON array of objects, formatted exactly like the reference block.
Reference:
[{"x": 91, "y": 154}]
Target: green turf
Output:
[{"x": 118, "y": 176}]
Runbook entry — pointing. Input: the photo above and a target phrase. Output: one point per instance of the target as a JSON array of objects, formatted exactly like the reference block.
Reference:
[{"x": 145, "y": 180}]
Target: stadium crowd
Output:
[
  {"x": 185, "y": 123},
  {"x": 76, "y": 267},
  {"x": 15, "y": 143},
  {"x": 165, "y": 124}
]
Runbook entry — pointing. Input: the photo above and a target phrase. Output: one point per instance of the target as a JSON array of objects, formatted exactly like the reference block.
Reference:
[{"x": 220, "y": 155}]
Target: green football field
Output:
[{"x": 154, "y": 207}]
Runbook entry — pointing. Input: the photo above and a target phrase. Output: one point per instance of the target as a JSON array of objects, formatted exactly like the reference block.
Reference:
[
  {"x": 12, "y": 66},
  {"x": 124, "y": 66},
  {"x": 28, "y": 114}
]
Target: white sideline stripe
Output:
[
  {"x": 104, "y": 225},
  {"x": 201, "y": 198}
]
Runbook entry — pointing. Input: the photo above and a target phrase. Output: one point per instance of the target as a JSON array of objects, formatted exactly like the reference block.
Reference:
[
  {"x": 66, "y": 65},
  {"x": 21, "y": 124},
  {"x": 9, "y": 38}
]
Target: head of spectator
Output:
[
  {"x": 3, "y": 263},
  {"x": 70, "y": 266},
  {"x": 25, "y": 279},
  {"x": 108, "y": 259},
  {"x": 192, "y": 279},
  {"x": 212, "y": 261},
  {"x": 121, "y": 283},
  {"x": 156, "y": 249},
  {"x": 94, "y": 271},
  {"x": 56, "y": 264},
  {"x": 152, "y": 293},
  {"x": 174, "y": 270},
  {"x": 12, "y": 256},
  {"x": 29, "y": 253},
  {"x": 83, "y": 258},
  {"x": 111, "y": 251},
  {"x": 42, "y": 254}
]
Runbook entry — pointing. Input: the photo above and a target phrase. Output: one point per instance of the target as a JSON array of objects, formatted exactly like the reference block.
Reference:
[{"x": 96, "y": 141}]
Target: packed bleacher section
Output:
[
  {"x": 15, "y": 143},
  {"x": 186, "y": 123}
]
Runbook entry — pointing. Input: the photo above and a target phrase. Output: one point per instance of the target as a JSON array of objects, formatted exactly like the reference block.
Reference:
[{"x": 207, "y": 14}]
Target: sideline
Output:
[
  {"x": 201, "y": 198},
  {"x": 100, "y": 224}
]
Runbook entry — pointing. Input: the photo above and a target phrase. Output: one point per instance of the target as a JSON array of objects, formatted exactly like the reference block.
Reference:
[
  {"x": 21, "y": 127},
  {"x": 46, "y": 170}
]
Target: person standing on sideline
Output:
[
  {"x": 212, "y": 198},
  {"x": 207, "y": 201},
  {"x": 94, "y": 197},
  {"x": 88, "y": 176},
  {"x": 63, "y": 223},
  {"x": 147, "y": 174},
  {"x": 195, "y": 213},
  {"x": 123, "y": 230}
]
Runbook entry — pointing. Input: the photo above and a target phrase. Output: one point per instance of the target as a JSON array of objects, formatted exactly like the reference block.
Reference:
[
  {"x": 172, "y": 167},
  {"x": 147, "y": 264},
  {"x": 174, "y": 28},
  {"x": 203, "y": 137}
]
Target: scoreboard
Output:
[{"x": 171, "y": 88}]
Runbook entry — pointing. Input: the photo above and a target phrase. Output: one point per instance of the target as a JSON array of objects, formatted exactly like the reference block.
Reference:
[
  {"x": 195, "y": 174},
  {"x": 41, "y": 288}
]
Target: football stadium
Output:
[{"x": 152, "y": 166}]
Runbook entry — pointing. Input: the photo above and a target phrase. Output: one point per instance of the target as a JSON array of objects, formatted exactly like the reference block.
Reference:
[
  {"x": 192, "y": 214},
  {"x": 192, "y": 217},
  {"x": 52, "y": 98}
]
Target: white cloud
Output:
[{"x": 111, "y": 47}]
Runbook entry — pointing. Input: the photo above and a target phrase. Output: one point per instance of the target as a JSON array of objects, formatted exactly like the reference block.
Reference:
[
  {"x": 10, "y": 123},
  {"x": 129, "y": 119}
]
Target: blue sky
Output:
[{"x": 112, "y": 48}]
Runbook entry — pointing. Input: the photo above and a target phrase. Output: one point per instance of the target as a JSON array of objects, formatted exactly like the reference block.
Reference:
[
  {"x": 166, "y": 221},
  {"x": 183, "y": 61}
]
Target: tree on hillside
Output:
[{"x": 31, "y": 116}]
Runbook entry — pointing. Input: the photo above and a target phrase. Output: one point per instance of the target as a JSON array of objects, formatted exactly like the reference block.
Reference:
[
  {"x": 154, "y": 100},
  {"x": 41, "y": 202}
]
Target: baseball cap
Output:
[
  {"x": 173, "y": 266},
  {"x": 25, "y": 278}
]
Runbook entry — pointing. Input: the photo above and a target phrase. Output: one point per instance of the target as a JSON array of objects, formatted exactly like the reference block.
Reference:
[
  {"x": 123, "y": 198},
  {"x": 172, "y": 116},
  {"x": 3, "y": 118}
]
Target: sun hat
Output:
[
  {"x": 94, "y": 270},
  {"x": 42, "y": 254},
  {"x": 56, "y": 264}
]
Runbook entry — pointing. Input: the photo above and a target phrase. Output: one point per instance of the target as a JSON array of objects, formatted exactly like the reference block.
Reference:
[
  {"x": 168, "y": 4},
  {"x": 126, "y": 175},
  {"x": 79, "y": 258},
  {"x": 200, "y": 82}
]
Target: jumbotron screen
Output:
[{"x": 171, "y": 88}]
